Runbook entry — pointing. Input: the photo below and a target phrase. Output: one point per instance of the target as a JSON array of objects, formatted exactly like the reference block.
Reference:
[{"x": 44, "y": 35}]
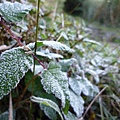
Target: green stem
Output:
[
  {"x": 36, "y": 38},
  {"x": 37, "y": 26},
  {"x": 101, "y": 109}
]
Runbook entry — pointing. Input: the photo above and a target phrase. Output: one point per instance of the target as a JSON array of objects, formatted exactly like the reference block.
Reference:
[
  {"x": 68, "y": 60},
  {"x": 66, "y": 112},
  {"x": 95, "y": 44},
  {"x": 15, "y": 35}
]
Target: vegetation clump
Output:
[{"x": 50, "y": 69}]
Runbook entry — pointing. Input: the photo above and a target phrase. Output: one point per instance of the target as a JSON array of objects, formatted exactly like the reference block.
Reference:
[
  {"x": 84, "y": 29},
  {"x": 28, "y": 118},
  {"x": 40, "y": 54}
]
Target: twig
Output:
[
  {"x": 36, "y": 35},
  {"x": 93, "y": 101},
  {"x": 18, "y": 39}
]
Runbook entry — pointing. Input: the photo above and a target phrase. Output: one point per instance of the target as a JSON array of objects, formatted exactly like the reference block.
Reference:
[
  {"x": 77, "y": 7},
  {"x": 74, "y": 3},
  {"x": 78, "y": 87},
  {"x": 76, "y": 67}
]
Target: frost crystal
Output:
[
  {"x": 14, "y": 64},
  {"x": 55, "y": 81}
]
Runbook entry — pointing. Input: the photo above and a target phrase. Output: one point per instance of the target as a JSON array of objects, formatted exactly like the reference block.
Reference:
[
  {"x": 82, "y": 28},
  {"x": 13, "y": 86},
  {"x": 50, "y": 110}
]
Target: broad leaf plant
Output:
[{"x": 60, "y": 82}]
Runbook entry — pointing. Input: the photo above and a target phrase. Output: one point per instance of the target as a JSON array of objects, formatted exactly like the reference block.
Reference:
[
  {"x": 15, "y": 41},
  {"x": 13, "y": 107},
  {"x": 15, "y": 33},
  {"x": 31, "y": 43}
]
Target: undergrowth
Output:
[{"x": 50, "y": 69}]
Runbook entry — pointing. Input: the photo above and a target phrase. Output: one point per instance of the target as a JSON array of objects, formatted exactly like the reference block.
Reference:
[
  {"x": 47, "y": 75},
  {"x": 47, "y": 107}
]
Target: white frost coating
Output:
[
  {"x": 77, "y": 103},
  {"x": 15, "y": 63},
  {"x": 57, "y": 45},
  {"x": 54, "y": 81},
  {"x": 82, "y": 85},
  {"x": 51, "y": 85},
  {"x": 14, "y": 12},
  {"x": 48, "y": 103},
  {"x": 49, "y": 55}
]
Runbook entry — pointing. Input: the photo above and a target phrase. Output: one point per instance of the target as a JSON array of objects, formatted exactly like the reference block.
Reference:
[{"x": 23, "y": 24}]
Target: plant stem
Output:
[
  {"x": 10, "y": 108},
  {"x": 101, "y": 109},
  {"x": 18, "y": 39},
  {"x": 93, "y": 101},
  {"x": 37, "y": 24}
]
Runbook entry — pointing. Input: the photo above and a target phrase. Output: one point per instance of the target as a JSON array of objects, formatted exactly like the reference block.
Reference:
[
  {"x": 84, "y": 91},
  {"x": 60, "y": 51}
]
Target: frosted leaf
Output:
[
  {"x": 94, "y": 74},
  {"x": 92, "y": 41},
  {"x": 70, "y": 116},
  {"x": 47, "y": 102},
  {"x": 14, "y": 12},
  {"x": 49, "y": 55},
  {"x": 55, "y": 81},
  {"x": 112, "y": 69},
  {"x": 55, "y": 45},
  {"x": 83, "y": 85},
  {"x": 14, "y": 64},
  {"x": 66, "y": 63},
  {"x": 38, "y": 69},
  {"x": 75, "y": 86},
  {"x": 49, "y": 112},
  {"x": 77, "y": 103}
]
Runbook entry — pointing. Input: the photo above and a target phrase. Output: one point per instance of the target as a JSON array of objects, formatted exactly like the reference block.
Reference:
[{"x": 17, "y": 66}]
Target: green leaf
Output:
[
  {"x": 94, "y": 74},
  {"x": 38, "y": 69},
  {"x": 43, "y": 36},
  {"x": 77, "y": 103},
  {"x": 66, "y": 63},
  {"x": 82, "y": 85},
  {"x": 50, "y": 112},
  {"x": 47, "y": 102},
  {"x": 92, "y": 41},
  {"x": 46, "y": 53},
  {"x": 55, "y": 45},
  {"x": 70, "y": 116},
  {"x": 56, "y": 82},
  {"x": 14, "y": 64},
  {"x": 14, "y": 12},
  {"x": 67, "y": 106}
]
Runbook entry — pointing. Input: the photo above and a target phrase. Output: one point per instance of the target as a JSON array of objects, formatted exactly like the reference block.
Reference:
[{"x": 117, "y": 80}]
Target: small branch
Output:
[
  {"x": 39, "y": 61},
  {"x": 18, "y": 39},
  {"x": 36, "y": 35},
  {"x": 93, "y": 101}
]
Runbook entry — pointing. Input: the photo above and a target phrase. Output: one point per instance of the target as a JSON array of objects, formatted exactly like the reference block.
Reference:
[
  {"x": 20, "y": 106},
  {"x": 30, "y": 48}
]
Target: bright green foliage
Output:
[
  {"x": 14, "y": 64},
  {"x": 47, "y": 102},
  {"x": 56, "y": 82},
  {"x": 14, "y": 12}
]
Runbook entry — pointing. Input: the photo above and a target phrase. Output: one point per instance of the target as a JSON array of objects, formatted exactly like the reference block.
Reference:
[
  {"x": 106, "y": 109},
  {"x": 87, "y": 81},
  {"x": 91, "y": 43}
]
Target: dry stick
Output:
[
  {"x": 93, "y": 101},
  {"x": 10, "y": 117}
]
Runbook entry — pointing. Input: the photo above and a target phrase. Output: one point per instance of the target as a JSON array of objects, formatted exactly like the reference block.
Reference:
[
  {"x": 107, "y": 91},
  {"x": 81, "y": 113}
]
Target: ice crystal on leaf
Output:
[
  {"x": 14, "y": 64},
  {"x": 14, "y": 12},
  {"x": 48, "y": 103},
  {"x": 55, "y": 81}
]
